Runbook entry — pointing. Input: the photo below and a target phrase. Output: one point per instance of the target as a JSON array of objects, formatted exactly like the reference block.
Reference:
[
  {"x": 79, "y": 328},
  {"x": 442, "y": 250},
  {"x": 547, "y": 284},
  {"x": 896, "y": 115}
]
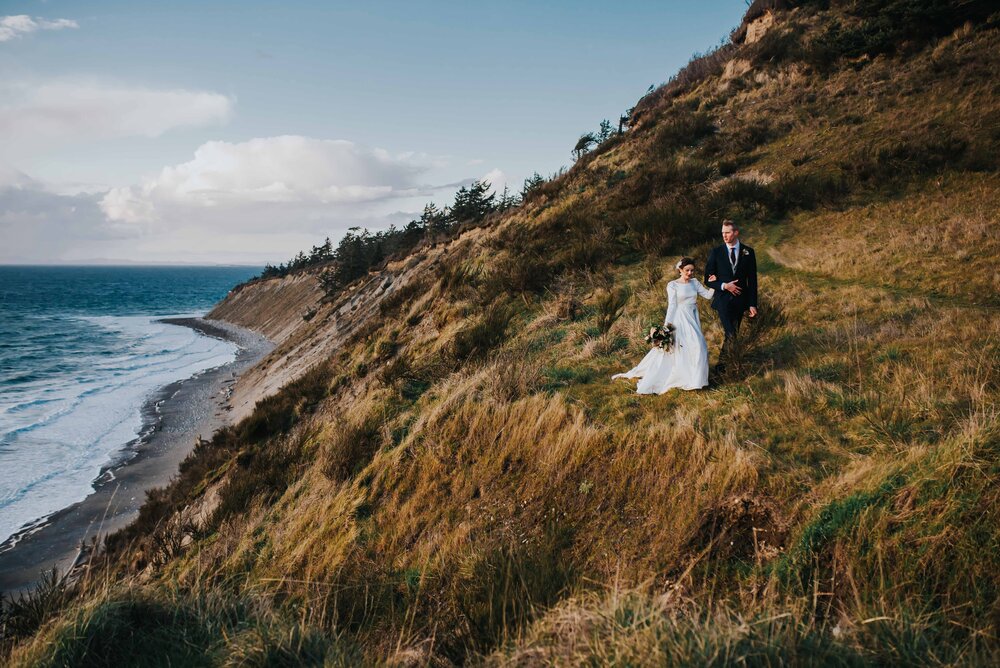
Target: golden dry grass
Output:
[{"x": 836, "y": 501}]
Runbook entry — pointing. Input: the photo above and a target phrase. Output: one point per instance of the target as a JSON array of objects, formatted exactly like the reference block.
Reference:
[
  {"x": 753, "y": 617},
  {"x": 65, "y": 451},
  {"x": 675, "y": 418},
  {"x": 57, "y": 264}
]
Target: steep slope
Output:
[{"x": 449, "y": 475}]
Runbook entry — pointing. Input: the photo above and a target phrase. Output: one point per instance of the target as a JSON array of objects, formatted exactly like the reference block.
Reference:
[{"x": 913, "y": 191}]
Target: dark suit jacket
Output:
[{"x": 746, "y": 273}]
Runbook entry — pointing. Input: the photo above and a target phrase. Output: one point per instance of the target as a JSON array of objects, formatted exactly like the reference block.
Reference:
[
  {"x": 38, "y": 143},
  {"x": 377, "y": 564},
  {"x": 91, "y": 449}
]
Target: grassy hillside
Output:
[{"x": 458, "y": 480}]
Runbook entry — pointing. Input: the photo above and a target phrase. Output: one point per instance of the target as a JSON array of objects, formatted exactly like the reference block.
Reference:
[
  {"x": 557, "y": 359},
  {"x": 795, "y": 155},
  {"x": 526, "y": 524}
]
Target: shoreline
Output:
[{"x": 173, "y": 418}]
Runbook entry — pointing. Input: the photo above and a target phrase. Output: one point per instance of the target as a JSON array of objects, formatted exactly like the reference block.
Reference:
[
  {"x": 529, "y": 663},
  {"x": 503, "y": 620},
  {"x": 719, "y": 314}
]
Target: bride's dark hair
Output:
[{"x": 684, "y": 261}]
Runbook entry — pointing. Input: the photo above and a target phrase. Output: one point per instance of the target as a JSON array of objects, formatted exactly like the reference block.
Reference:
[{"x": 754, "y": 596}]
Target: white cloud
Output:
[
  {"x": 60, "y": 112},
  {"x": 262, "y": 200},
  {"x": 289, "y": 170},
  {"x": 497, "y": 180},
  {"x": 38, "y": 225},
  {"x": 22, "y": 24},
  {"x": 121, "y": 204}
]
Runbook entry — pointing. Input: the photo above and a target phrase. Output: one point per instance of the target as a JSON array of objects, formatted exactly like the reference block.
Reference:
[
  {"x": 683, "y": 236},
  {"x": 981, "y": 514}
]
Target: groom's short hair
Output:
[{"x": 729, "y": 223}]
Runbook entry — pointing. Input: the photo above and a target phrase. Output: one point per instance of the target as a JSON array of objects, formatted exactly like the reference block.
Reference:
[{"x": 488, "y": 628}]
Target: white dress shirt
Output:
[{"x": 736, "y": 247}]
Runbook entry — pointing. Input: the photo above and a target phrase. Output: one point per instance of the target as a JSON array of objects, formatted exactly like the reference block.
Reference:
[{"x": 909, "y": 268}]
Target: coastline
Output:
[{"x": 173, "y": 418}]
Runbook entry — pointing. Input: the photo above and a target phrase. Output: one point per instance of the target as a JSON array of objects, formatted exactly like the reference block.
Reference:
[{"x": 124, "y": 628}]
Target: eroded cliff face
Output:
[
  {"x": 273, "y": 307},
  {"x": 305, "y": 328}
]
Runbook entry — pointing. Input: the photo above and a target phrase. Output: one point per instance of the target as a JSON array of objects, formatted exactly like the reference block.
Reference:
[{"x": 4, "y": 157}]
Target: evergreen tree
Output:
[
  {"x": 605, "y": 131},
  {"x": 531, "y": 184},
  {"x": 434, "y": 221},
  {"x": 508, "y": 200},
  {"x": 472, "y": 204},
  {"x": 624, "y": 119}
]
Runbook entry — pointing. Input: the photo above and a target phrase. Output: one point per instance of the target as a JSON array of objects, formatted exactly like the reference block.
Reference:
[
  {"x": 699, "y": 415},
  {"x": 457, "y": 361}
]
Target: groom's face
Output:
[{"x": 729, "y": 234}]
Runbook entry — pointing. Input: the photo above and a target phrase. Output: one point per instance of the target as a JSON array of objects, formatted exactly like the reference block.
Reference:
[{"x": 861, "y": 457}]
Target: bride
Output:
[{"x": 685, "y": 365}]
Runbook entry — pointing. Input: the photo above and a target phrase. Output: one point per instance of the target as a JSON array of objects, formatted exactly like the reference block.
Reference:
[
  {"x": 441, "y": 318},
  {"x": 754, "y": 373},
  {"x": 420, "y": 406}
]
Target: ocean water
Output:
[{"x": 80, "y": 353}]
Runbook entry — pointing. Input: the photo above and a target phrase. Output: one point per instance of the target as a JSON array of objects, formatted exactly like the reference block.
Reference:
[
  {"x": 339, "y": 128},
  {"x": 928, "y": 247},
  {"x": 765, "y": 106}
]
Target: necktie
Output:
[{"x": 732, "y": 257}]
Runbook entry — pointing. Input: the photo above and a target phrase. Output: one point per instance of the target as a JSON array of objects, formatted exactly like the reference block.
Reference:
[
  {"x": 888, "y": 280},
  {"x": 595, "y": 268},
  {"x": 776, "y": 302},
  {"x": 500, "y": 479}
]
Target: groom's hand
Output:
[
  {"x": 733, "y": 288},
  {"x": 753, "y": 311}
]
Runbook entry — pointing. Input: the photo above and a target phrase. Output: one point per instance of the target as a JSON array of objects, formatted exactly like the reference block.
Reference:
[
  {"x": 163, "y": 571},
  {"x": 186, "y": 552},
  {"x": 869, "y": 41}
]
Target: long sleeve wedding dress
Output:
[{"x": 684, "y": 366}]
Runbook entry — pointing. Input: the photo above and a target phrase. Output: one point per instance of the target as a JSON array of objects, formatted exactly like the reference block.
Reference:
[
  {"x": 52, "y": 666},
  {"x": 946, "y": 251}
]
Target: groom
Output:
[{"x": 734, "y": 267}]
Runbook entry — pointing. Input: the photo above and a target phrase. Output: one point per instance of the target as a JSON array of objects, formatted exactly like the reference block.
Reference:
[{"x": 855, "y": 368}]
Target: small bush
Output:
[
  {"x": 484, "y": 334},
  {"x": 452, "y": 276},
  {"x": 741, "y": 199},
  {"x": 652, "y": 271},
  {"x": 512, "y": 377},
  {"x": 777, "y": 45},
  {"x": 886, "y": 26},
  {"x": 396, "y": 370},
  {"x": 667, "y": 228},
  {"x": 587, "y": 249},
  {"x": 264, "y": 646},
  {"x": 558, "y": 377},
  {"x": 682, "y": 128},
  {"x": 800, "y": 563},
  {"x": 807, "y": 190},
  {"x": 277, "y": 414},
  {"x": 521, "y": 264},
  {"x": 262, "y": 473},
  {"x": 743, "y": 138}
]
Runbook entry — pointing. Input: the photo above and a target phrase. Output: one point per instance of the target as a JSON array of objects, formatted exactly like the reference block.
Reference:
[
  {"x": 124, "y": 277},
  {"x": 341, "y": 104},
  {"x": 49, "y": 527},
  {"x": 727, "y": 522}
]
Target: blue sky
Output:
[{"x": 245, "y": 131}]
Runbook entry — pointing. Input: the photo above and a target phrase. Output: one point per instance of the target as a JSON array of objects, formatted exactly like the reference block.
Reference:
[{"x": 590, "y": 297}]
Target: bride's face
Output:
[{"x": 687, "y": 271}]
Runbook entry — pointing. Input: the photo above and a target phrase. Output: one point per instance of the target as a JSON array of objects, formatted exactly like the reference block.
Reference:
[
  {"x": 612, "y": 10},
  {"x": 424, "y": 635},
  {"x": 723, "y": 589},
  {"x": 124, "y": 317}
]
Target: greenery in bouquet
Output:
[{"x": 661, "y": 336}]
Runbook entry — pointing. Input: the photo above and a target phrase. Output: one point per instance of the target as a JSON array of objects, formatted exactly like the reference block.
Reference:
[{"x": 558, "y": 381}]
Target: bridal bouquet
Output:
[{"x": 661, "y": 336}]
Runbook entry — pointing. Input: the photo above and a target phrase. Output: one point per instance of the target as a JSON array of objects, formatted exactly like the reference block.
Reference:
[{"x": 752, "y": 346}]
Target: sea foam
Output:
[{"x": 77, "y": 405}]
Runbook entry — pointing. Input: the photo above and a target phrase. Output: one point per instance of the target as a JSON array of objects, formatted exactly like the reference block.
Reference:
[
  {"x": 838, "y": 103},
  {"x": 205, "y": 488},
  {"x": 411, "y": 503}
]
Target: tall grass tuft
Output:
[
  {"x": 23, "y": 615},
  {"x": 609, "y": 307}
]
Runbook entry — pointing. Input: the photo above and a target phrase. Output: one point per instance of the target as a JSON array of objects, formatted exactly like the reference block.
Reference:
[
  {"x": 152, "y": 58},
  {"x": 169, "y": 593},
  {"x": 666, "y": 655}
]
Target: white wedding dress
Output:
[{"x": 685, "y": 366}]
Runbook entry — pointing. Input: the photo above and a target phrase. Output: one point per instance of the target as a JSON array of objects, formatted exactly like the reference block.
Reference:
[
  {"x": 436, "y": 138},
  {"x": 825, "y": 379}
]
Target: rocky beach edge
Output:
[{"x": 174, "y": 418}]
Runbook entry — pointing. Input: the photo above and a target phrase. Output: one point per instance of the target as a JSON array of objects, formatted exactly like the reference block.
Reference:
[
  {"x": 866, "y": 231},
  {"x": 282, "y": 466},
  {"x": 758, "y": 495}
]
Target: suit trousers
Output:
[{"x": 730, "y": 316}]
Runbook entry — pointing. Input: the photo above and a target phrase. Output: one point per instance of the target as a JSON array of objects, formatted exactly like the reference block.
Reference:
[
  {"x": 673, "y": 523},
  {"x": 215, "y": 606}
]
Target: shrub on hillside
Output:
[
  {"x": 453, "y": 275},
  {"x": 401, "y": 296},
  {"x": 667, "y": 176},
  {"x": 521, "y": 263},
  {"x": 919, "y": 150},
  {"x": 667, "y": 228},
  {"x": 887, "y": 26},
  {"x": 521, "y": 269},
  {"x": 483, "y": 334},
  {"x": 512, "y": 377},
  {"x": 277, "y": 413},
  {"x": 352, "y": 443},
  {"x": 777, "y": 45},
  {"x": 741, "y": 199},
  {"x": 807, "y": 190},
  {"x": 132, "y": 629},
  {"x": 580, "y": 240},
  {"x": 682, "y": 127},
  {"x": 741, "y": 138},
  {"x": 262, "y": 472}
]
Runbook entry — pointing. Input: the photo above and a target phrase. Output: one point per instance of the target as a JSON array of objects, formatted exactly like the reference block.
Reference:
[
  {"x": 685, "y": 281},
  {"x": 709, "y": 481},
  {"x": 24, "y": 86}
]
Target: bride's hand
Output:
[{"x": 712, "y": 278}]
